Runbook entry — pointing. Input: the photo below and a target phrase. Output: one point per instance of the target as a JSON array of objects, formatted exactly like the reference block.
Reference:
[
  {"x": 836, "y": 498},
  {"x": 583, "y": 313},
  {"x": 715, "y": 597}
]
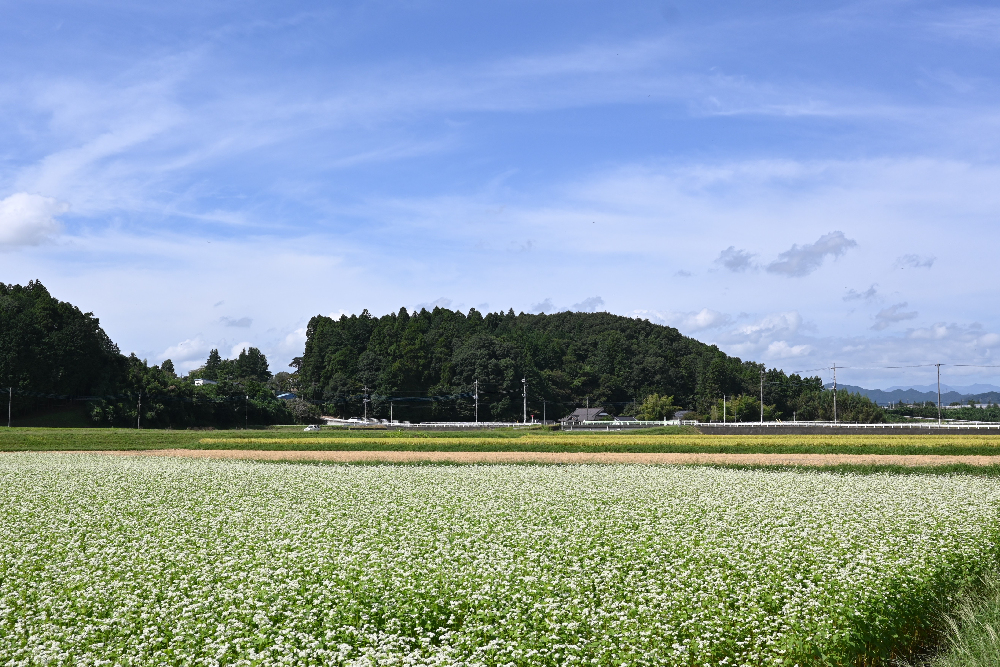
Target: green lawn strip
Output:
[
  {"x": 513, "y": 446},
  {"x": 507, "y": 440},
  {"x": 844, "y": 469},
  {"x": 879, "y": 469},
  {"x": 560, "y": 447},
  {"x": 40, "y": 439}
]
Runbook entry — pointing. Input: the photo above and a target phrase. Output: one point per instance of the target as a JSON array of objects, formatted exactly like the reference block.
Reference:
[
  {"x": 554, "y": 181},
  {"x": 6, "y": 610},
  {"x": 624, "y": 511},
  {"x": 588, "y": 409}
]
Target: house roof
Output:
[{"x": 585, "y": 414}]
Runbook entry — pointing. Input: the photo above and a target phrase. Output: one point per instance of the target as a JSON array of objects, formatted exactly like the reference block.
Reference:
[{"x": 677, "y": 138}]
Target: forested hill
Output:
[
  {"x": 54, "y": 357},
  {"x": 51, "y": 347},
  {"x": 422, "y": 366},
  {"x": 425, "y": 365}
]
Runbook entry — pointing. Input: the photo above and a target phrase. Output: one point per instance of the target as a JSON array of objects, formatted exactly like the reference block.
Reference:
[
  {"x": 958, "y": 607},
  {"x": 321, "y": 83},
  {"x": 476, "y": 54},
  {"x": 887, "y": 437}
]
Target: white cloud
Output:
[
  {"x": 239, "y": 347},
  {"x": 545, "y": 306},
  {"x": 989, "y": 340},
  {"x": 441, "y": 302},
  {"x": 736, "y": 260},
  {"x": 870, "y": 294},
  {"x": 889, "y": 316},
  {"x": 780, "y": 349},
  {"x": 689, "y": 322},
  {"x": 937, "y": 331},
  {"x": 777, "y": 323},
  {"x": 188, "y": 354},
  {"x": 800, "y": 261},
  {"x": 243, "y": 322},
  {"x": 292, "y": 345},
  {"x": 28, "y": 219},
  {"x": 588, "y": 305}
]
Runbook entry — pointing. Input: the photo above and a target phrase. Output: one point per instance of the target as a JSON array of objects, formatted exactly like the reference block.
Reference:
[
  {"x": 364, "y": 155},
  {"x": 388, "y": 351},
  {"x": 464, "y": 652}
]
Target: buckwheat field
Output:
[{"x": 157, "y": 561}]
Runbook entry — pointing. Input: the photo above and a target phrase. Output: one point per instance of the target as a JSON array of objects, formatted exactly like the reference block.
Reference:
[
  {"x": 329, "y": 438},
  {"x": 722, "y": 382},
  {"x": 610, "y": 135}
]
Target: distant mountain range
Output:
[
  {"x": 970, "y": 389},
  {"x": 926, "y": 393}
]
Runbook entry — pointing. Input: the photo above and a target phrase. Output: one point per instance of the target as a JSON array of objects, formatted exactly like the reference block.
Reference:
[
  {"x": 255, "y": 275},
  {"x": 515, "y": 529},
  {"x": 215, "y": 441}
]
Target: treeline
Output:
[
  {"x": 929, "y": 410},
  {"x": 156, "y": 397},
  {"x": 425, "y": 366},
  {"x": 419, "y": 367},
  {"x": 50, "y": 351}
]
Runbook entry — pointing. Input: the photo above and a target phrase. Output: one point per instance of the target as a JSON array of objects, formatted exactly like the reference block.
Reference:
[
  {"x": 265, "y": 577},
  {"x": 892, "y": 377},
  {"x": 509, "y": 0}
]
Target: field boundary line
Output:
[{"x": 680, "y": 458}]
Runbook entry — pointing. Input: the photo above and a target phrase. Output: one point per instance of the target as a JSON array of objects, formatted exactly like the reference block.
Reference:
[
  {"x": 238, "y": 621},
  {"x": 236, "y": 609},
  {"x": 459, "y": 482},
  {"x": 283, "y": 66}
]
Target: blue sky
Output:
[{"x": 800, "y": 183}]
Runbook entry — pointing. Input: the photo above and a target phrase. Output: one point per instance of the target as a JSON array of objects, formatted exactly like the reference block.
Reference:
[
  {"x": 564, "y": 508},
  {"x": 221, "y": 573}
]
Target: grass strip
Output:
[
  {"x": 972, "y": 629},
  {"x": 28, "y": 439},
  {"x": 875, "y": 469},
  {"x": 842, "y": 469}
]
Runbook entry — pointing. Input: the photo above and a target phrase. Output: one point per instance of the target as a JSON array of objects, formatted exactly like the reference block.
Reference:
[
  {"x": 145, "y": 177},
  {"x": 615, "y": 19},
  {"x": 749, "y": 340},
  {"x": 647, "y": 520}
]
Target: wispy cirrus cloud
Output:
[
  {"x": 914, "y": 262},
  {"x": 979, "y": 25}
]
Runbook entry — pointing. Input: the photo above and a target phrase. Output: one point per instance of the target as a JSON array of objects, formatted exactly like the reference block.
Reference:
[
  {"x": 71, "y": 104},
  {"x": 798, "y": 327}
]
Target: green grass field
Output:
[{"x": 652, "y": 440}]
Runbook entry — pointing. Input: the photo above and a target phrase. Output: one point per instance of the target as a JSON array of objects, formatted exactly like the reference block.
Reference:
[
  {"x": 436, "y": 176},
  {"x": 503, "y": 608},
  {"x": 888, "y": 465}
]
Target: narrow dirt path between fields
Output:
[{"x": 565, "y": 457}]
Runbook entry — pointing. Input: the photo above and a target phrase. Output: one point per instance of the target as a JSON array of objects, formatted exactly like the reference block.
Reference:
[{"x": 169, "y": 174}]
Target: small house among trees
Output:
[{"x": 581, "y": 415}]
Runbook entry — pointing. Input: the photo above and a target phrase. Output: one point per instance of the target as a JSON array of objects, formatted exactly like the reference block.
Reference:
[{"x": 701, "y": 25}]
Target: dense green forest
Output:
[
  {"x": 426, "y": 365},
  {"x": 52, "y": 355},
  {"x": 421, "y": 367}
]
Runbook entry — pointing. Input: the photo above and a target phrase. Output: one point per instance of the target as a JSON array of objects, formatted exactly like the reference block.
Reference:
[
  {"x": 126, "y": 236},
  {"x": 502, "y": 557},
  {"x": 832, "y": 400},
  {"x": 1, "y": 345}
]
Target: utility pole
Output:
[
  {"x": 723, "y": 408},
  {"x": 762, "y": 396},
  {"x": 138, "y": 414},
  {"x": 939, "y": 392},
  {"x": 364, "y": 400},
  {"x": 246, "y": 413},
  {"x": 835, "y": 393},
  {"x": 543, "y": 412},
  {"x": 477, "y": 400},
  {"x": 524, "y": 381},
  {"x": 10, "y": 403},
  {"x": 390, "y": 413}
]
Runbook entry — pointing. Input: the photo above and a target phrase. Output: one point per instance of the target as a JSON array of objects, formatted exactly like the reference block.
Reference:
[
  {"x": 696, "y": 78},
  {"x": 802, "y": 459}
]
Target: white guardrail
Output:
[
  {"x": 473, "y": 425},
  {"x": 935, "y": 425},
  {"x": 610, "y": 425}
]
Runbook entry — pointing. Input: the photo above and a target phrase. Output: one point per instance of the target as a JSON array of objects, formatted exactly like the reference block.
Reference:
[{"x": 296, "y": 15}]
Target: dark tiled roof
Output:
[{"x": 585, "y": 414}]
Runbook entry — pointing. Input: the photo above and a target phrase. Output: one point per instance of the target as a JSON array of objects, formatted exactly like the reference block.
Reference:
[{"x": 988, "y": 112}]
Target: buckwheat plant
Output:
[{"x": 156, "y": 561}]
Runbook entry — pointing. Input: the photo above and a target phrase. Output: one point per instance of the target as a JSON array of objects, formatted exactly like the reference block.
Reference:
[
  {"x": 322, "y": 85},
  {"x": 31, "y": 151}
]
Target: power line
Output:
[
  {"x": 835, "y": 393},
  {"x": 939, "y": 392}
]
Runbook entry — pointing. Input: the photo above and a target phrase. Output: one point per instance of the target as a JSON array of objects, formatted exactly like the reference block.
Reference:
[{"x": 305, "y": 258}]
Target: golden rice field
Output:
[
  {"x": 616, "y": 441},
  {"x": 951, "y": 444}
]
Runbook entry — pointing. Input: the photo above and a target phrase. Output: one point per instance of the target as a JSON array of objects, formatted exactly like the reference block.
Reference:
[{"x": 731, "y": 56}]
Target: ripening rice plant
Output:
[
  {"x": 617, "y": 439},
  {"x": 176, "y": 562}
]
